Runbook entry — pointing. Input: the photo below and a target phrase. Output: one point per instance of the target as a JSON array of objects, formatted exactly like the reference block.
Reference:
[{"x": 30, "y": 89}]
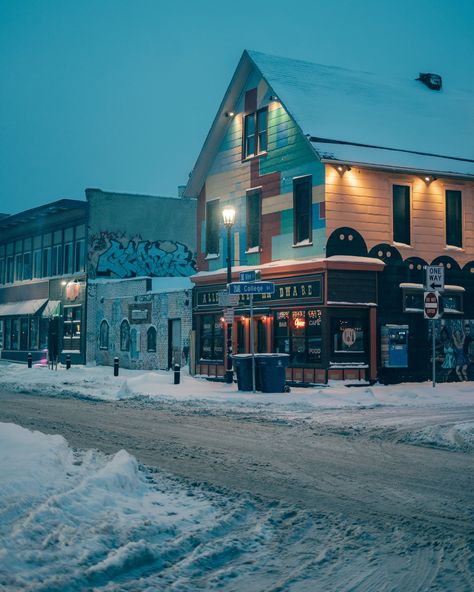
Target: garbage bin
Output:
[
  {"x": 243, "y": 369},
  {"x": 272, "y": 372}
]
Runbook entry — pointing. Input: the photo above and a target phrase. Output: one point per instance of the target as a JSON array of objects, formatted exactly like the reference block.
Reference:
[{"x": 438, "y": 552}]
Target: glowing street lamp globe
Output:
[{"x": 228, "y": 214}]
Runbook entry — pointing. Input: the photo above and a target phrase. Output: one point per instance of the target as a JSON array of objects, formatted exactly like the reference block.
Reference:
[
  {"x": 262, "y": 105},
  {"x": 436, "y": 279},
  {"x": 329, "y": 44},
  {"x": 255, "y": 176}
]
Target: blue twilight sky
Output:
[{"x": 120, "y": 94}]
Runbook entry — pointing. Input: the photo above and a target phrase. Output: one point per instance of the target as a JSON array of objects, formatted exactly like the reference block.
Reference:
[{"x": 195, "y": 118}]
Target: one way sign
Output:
[{"x": 434, "y": 278}]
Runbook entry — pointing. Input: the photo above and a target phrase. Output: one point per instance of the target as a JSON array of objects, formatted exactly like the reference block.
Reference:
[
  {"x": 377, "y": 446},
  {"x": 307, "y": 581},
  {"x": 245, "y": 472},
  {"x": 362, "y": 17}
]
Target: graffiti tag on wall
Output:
[{"x": 140, "y": 257}]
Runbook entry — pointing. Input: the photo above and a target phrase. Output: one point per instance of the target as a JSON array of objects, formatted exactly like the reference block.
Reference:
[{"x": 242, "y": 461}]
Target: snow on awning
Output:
[
  {"x": 421, "y": 287},
  {"x": 52, "y": 309},
  {"x": 23, "y": 307}
]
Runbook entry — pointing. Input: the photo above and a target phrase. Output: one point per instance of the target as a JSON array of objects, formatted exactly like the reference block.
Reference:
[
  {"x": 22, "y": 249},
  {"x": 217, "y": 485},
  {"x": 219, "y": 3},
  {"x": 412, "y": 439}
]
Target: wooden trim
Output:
[{"x": 373, "y": 342}]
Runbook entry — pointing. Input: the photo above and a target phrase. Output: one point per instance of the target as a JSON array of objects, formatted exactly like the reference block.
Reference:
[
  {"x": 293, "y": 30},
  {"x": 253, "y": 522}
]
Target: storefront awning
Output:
[
  {"x": 23, "y": 307},
  {"x": 52, "y": 309}
]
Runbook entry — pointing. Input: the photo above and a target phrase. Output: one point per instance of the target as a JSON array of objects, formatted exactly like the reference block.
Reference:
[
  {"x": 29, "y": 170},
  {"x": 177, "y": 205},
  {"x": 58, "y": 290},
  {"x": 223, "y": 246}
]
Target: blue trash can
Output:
[
  {"x": 243, "y": 369},
  {"x": 272, "y": 371}
]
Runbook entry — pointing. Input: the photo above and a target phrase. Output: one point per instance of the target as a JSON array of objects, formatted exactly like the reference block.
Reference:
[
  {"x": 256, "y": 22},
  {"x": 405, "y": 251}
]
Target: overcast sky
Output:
[{"x": 120, "y": 94}]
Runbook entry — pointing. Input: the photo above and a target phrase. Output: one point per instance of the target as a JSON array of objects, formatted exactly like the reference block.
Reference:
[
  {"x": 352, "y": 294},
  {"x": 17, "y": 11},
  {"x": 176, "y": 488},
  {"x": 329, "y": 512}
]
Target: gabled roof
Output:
[{"x": 360, "y": 118}]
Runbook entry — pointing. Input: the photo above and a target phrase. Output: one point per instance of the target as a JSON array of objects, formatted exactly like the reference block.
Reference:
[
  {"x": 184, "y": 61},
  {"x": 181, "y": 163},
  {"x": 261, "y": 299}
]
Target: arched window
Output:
[
  {"x": 104, "y": 335},
  {"x": 125, "y": 335},
  {"x": 151, "y": 339}
]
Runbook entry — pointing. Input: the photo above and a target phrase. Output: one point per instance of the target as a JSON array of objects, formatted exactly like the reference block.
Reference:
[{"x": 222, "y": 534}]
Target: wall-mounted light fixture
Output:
[
  {"x": 342, "y": 168},
  {"x": 429, "y": 179},
  {"x": 229, "y": 114},
  {"x": 273, "y": 98}
]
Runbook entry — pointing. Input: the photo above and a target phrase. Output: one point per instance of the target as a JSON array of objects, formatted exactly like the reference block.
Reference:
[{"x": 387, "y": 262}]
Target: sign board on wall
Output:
[{"x": 139, "y": 313}]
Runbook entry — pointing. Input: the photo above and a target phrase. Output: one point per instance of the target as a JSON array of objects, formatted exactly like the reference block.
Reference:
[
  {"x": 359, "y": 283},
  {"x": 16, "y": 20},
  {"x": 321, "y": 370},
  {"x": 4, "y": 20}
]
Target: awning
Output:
[
  {"x": 52, "y": 309},
  {"x": 23, "y": 307}
]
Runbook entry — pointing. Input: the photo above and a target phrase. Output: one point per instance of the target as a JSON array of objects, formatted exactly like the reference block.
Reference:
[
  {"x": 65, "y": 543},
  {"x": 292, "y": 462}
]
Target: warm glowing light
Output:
[
  {"x": 429, "y": 179},
  {"x": 222, "y": 319},
  {"x": 299, "y": 323},
  {"x": 342, "y": 168},
  {"x": 228, "y": 215},
  {"x": 229, "y": 114}
]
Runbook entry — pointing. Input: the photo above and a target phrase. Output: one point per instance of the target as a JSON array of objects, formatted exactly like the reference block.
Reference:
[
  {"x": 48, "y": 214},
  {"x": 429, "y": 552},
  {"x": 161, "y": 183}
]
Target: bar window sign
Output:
[{"x": 348, "y": 335}]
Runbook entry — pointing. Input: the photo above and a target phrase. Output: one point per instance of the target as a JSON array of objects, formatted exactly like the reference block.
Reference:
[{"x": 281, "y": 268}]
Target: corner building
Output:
[{"x": 345, "y": 185}]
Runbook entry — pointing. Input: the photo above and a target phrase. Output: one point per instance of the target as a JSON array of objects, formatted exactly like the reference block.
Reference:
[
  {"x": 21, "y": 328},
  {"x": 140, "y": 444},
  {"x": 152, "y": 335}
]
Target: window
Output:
[
  {"x": 57, "y": 260},
  {"x": 15, "y": 333},
  {"x": 10, "y": 270},
  {"x": 34, "y": 332},
  {"x": 302, "y": 201},
  {"x": 24, "y": 333},
  {"x": 37, "y": 263},
  {"x": 18, "y": 267},
  {"x": 212, "y": 227},
  {"x": 453, "y": 218},
  {"x": 254, "y": 217},
  {"x": 104, "y": 335},
  {"x": 298, "y": 333},
  {"x": 7, "y": 327},
  {"x": 46, "y": 271},
  {"x": 151, "y": 339},
  {"x": 255, "y": 133},
  {"x": 2, "y": 271},
  {"x": 348, "y": 335},
  {"x": 79, "y": 256},
  {"x": 211, "y": 338},
  {"x": 68, "y": 259},
  {"x": 125, "y": 335},
  {"x": 72, "y": 327},
  {"x": 1, "y": 334},
  {"x": 401, "y": 214}
]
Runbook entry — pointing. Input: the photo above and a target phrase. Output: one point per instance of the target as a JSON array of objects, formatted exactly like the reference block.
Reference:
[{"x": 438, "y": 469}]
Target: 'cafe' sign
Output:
[{"x": 287, "y": 291}]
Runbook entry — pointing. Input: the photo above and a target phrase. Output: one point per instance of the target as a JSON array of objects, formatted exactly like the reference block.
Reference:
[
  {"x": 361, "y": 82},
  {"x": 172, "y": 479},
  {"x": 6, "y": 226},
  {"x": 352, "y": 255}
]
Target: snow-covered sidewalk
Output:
[
  {"x": 330, "y": 402},
  {"x": 98, "y": 382}
]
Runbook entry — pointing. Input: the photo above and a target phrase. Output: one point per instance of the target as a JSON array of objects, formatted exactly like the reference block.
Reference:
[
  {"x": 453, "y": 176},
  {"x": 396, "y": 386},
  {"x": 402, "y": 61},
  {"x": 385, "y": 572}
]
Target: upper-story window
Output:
[
  {"x": 212, "y": 227},
  {"x": 401, "y": 214},
  {"x": 302, "y": 203},
  {"x": 254, "y": 219},
  {"x": 453, "y": 218},
  {"x": 255, "y": 133}
]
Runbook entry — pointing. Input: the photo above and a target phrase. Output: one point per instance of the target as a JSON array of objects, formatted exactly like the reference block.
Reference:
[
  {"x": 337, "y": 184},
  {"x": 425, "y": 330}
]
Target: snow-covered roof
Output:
[
  {"x": 380, "y": 120},
  {"x": 358, "y": 117}
]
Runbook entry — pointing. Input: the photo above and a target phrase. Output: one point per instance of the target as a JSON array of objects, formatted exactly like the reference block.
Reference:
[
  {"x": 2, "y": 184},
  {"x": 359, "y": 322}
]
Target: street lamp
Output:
[{"x": 228, "y": 214}]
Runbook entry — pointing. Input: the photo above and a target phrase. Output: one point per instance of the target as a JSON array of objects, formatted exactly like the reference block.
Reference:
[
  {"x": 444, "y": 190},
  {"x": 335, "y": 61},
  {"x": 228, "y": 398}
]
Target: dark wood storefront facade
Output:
[{"x": 323, "y": 314}]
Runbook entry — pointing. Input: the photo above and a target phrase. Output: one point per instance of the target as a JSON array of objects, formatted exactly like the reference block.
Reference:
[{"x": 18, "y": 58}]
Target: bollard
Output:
[
  {"x": 177, "y": 373},
  {"x": 68, "y": 361},
  {"x": 116, "y": 366},
  {"x": 30, "y": 361}
]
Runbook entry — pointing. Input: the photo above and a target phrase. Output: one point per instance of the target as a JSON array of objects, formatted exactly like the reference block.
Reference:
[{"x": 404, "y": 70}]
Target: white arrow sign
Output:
[{"x": 434, "y": 278}]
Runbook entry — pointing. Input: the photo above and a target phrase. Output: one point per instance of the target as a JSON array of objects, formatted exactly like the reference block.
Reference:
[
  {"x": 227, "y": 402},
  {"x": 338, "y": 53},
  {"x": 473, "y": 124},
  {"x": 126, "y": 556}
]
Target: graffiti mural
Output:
[
  {"x": 111, "y": 255},
  {"x": 454, "y": 343}
]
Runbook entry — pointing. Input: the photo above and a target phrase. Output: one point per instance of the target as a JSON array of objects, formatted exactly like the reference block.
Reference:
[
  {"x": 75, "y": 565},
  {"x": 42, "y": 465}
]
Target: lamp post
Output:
[{"x": 228, "y": 214}]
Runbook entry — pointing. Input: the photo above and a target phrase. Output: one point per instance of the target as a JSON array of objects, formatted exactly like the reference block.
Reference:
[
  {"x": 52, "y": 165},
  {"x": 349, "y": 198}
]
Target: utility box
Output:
[{"x": 394, "y": 346}]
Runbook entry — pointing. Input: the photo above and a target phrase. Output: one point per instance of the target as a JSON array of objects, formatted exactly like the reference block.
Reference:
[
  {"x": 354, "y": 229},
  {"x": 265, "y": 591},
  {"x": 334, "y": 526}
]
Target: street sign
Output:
[
  {"x": 431, "y": 305},
  {"x": 434, "y": 277},
  {"x": 226, "y": 299},
  {"x": 251, "y": 288},
  {"x": 249, "y": 276},
  {"x": 229, "y": 315}
]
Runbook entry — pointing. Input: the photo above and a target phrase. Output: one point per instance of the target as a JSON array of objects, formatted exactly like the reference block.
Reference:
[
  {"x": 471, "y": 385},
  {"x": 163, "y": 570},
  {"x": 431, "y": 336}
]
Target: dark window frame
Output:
[
  {"x": 254, "y": 220},
  {"x": 125, "y": 337},
  {"x": 151, "y": 343},
  {"x": 215, "y": 319},
  {"x": 298, "y": 183},
  {"x": 453, "y": 218},
  {"x": 212, "y": 227},
  {"x": 401, "y": 214},
  {"x": 258, "y": 139},
  {"x": 104, "y": 336},
  {"x": 287, "y": 336}
]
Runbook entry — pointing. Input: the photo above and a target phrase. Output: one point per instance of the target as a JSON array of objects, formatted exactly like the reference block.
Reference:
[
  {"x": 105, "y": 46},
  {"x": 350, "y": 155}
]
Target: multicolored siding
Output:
[{"x": 288, "y": 156}]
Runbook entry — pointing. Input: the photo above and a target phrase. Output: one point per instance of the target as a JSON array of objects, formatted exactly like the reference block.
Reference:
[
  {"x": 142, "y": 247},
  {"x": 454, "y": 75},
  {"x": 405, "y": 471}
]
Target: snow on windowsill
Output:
[
  {"x": 211, "y": 256},
  {"x": 253, "y": 250},
  {"x": 304, "y": 243},
  {"x": 395, "y": 244},
  {"x": 421, "y": 287}
]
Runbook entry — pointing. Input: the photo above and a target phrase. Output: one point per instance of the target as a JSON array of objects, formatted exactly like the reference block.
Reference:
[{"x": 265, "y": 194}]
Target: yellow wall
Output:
[{"x": 362, "y": 199}]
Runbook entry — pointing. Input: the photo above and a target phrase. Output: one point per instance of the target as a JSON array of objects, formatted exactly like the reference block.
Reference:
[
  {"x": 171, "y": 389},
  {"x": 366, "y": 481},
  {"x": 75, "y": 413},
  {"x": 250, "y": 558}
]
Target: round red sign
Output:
[{"x": 431, "y": 305}]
